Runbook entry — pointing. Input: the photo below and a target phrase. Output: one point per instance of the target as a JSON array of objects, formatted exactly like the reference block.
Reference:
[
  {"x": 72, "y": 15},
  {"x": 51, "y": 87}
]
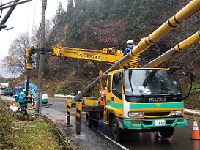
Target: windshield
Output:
[{"x": 146, "y": 82}]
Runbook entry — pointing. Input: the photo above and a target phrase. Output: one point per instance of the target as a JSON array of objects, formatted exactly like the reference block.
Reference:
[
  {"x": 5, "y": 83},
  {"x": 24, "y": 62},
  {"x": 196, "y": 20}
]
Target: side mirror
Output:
[{"x": 188, "y": 74}]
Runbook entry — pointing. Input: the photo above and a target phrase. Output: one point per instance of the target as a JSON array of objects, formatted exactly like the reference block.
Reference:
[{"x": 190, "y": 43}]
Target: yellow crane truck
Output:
[
  {"x": 147, "y": 98},
  {"x": 137, "y": 99}
]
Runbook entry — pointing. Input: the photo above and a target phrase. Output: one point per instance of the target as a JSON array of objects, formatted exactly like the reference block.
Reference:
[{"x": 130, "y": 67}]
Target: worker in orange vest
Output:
[{"x": 103, "y": 96}]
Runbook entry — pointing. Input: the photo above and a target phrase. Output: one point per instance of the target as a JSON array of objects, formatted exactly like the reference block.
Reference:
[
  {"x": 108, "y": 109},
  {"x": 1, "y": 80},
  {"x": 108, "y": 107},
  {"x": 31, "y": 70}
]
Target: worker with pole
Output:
[{"x": 21, "y": 99}]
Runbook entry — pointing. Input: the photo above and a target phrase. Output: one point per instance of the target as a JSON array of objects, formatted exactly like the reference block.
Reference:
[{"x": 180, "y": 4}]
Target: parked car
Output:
[
  {"x": 8, "y": 91},
  {"x": 44, "y": 98},
  {"x": 3, "y": 87}
]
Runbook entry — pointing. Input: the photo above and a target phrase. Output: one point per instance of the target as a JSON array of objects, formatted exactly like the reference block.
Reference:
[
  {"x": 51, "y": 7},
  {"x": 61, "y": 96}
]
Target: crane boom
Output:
[
  {"x": 173, "y": 22},
  {"x": 170, "y": 24},
  {"x": 109, "y": 55},
  {"x": 179, "y": 47},
  {"x": 114, "y": 56}
]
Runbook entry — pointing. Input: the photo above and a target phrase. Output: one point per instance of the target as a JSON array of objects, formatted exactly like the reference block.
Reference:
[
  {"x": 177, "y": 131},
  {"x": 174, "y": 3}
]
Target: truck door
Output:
[{"x": 117, "y": 85}]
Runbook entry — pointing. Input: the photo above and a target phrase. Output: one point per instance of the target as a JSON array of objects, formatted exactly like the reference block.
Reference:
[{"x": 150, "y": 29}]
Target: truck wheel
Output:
[
  {"x": 95, "y": 119},
  {"x": 167, "y": 132},
  {"x": 116, "y": 131},
  {"x": 95, "y": 123},
  {"x": 88, "y": 121}
]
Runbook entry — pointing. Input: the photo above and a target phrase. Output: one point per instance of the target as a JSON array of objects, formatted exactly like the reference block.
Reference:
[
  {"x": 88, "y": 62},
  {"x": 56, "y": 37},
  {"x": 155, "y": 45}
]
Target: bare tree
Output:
[
  {"x": 36, "y": 32},
  {"x": 15, "y": 61}
]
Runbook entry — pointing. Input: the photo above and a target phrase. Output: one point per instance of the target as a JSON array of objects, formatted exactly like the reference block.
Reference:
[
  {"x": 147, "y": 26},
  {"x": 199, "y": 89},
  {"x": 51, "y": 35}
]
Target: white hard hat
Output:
[{"x": 130, "y": 42}]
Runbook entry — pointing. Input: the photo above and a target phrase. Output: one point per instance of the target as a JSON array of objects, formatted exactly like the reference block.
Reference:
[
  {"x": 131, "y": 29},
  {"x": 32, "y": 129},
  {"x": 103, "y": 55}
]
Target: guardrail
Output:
[
  {"x": 191, "y": 111},
  {"x": 64, "y": 96}
]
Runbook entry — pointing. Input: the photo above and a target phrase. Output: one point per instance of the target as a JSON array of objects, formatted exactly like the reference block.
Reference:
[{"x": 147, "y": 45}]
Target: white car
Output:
[{"x": 44, "y": 98}]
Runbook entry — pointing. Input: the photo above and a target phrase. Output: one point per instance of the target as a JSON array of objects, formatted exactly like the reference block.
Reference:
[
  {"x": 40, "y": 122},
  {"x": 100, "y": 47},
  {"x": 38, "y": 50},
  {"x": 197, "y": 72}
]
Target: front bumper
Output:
[{"x": 140, "y": 124}]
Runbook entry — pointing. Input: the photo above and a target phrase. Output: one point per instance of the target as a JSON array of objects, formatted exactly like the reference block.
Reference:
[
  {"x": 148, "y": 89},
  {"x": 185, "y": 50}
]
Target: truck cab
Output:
[{"x": 143, "y": 99}]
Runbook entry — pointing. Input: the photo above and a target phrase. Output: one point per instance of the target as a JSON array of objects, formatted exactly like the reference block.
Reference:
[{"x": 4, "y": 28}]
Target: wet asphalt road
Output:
[
  {"x": 94, "y": 139},
  {"x": 89, "y": 139},
  {"x": 143, "y": 141}
]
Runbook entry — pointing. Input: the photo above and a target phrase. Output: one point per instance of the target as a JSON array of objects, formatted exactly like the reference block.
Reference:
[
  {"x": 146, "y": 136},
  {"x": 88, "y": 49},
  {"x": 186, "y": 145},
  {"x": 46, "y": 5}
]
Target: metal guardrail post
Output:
[
  {"x": 69, "y": 104},
  {"x": 78, "y": 117}
]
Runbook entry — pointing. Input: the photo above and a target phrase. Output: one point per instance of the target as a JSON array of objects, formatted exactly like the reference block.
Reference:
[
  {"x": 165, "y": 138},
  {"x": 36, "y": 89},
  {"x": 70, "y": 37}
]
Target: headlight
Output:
[
  {"x": 135, "y": 114},
  {"x": 177, "y": 113}
]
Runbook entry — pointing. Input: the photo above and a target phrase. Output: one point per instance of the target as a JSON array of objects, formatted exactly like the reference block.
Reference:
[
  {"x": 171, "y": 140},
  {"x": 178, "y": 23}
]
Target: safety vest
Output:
[
  {"x": 21, "y": 97},
  {"x": 103, "y": 93},
  {"x": 103, "y": 96}
]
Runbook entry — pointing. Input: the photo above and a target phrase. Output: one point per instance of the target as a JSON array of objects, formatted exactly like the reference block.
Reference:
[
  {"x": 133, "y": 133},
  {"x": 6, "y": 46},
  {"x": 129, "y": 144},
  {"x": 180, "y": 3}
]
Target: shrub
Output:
[{"x": 6, "y": 124}]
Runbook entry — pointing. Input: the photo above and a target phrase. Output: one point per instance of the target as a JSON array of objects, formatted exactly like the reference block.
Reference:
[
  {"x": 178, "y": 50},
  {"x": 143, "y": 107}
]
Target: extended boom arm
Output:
[
  {"x": 172, "y": 23},
  {"x": 109, "y": 55},
  {"x": 183, "y": 45}
]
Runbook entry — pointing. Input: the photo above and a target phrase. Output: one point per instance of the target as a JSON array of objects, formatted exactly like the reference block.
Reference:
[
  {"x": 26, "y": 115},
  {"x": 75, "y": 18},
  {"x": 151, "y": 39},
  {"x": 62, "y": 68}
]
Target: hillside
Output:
[{"x": 96, "y": 24}]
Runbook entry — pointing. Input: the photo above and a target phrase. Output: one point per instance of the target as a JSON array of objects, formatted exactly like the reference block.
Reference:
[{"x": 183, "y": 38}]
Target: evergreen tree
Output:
[{"x": 145, "y": 13}]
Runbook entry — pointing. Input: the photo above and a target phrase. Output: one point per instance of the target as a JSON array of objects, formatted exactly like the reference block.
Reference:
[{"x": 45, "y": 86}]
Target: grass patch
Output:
[
  {"x": 26, "y": 135},
  {"x": 192, "y": 102},
  {"x": 192, "y": 116},
  {"x": 6, "y": 124},
  {"x": 33, "y": 135}
]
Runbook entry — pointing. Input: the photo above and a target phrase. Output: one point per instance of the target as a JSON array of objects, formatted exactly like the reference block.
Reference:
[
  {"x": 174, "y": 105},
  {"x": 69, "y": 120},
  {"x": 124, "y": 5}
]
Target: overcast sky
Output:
[{"x": 23, "y": 19}]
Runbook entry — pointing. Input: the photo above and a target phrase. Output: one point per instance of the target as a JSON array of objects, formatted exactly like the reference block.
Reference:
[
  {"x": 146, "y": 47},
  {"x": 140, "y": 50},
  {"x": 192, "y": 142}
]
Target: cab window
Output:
[
  {"x": 109, "y": 83},
  {"x": 117, "y": 85}
]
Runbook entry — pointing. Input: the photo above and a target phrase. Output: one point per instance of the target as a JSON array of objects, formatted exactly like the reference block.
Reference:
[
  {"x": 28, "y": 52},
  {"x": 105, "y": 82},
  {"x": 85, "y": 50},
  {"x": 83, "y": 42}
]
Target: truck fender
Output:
[{"x": 120, "y": 121}]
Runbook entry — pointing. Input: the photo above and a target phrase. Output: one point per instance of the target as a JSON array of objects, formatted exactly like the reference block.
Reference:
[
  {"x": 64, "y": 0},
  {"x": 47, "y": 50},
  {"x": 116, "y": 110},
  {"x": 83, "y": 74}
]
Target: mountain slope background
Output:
[{"x": 98, "y": 24}]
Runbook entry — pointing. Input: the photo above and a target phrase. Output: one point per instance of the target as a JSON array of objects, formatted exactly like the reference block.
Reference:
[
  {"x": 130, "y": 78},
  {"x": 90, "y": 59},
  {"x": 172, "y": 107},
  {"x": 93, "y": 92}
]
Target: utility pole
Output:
[{"x": 41, "y": 64}]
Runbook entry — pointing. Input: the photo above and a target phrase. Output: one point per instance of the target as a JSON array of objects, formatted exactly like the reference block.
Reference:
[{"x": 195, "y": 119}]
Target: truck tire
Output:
[
  {"x": 91, "y": 119},
  {"x": 88, "y": 121},
  {"x": 95, "y": 119},
  {"x": 116, "y": 131},
  {"x": 166, "y": 132},
  {"x": 95, "y": 123}
]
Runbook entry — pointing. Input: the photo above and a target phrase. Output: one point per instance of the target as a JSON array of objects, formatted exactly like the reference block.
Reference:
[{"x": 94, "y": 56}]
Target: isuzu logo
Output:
[{"x": 157, "y": 99}]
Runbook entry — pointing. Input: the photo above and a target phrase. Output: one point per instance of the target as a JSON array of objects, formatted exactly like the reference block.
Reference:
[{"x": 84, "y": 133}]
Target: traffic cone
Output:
[
  {"x": 13, "y": 103},
  {"x": 195, "y": 135}
]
